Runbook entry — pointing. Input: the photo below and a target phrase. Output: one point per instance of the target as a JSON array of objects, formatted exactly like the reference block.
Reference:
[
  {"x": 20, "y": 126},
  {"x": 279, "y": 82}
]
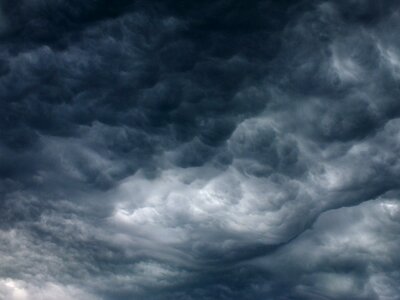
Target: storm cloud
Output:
[{"x": 199, "y": 150}]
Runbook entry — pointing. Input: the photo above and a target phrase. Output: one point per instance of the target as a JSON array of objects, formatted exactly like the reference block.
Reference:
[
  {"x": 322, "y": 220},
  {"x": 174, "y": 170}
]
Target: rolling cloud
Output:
[{"x": 210, "y": 150}]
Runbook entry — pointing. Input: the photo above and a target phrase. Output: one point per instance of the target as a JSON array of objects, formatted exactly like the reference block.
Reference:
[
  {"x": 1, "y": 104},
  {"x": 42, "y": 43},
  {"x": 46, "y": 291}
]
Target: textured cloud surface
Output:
[{"x": 199, "y": 150}]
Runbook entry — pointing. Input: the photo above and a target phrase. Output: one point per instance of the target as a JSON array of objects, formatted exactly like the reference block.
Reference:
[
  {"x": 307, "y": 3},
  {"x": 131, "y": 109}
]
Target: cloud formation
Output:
[{"x": 215, "y": 150}]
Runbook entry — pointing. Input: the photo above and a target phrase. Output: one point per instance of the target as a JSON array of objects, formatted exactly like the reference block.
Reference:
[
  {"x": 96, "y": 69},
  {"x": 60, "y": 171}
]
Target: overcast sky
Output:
[{"x": 199, "y": 150}]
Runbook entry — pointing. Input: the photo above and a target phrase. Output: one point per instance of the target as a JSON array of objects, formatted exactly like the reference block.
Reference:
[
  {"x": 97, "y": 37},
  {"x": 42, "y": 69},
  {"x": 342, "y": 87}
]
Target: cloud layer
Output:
[{"x": 215, "y": 150}]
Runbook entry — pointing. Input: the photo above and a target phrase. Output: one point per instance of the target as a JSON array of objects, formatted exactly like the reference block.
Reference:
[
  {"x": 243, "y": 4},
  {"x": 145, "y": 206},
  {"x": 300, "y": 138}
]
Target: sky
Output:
[{"x": 199, "y": 150}]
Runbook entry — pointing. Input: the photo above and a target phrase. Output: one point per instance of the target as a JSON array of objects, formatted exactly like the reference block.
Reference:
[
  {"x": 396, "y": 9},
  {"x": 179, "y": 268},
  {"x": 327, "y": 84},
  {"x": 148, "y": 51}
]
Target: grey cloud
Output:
[
  {"x": 343, "y": 255},
  {"x": 213, "y": 150}
]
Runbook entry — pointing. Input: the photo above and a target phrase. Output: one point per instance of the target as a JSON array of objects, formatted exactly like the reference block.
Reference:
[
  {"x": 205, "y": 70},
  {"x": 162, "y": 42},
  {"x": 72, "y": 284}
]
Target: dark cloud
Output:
[{"x": 210, "y": 150}]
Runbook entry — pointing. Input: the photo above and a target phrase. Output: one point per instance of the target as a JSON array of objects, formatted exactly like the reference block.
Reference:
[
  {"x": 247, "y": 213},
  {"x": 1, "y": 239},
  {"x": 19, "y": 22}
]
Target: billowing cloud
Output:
[{"x": 214, "y": 150}]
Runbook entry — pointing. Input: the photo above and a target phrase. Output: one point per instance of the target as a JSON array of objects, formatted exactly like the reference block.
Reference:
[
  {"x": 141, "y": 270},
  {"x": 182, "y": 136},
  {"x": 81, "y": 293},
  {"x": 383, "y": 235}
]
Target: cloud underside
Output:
[{"x": 217, "y": 150}]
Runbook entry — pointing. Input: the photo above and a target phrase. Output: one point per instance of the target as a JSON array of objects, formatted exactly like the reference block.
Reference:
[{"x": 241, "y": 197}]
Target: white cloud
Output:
[{"x": 11, "y": 289}]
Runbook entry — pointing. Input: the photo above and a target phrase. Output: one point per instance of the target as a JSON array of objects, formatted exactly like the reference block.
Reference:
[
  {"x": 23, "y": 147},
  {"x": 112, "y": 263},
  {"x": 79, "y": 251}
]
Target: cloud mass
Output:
[{"x": 207, "y": 150}]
